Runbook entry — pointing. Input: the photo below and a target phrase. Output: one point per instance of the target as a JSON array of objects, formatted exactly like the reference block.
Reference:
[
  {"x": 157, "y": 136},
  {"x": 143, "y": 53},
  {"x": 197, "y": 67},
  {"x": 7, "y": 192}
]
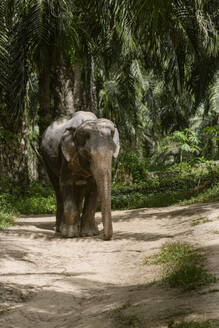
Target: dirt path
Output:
[{"x": 50, "y": 282}]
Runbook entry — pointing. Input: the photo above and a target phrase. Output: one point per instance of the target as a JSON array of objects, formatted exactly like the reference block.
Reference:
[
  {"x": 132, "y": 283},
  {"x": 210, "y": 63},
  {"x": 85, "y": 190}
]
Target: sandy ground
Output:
[{"x": 50, "y": 282}]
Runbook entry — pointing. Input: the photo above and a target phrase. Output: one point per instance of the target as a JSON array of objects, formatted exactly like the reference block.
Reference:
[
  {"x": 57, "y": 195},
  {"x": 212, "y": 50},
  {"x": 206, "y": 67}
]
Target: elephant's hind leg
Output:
[
  {"x": 59, "y": 201},
  {"x": 88, "y": 226}
]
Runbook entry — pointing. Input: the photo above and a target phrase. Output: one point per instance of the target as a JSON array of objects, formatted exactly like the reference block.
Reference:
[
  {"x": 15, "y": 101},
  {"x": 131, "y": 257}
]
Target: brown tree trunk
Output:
[
  {"x": 77, "y": 86},
  {"x": 44, "y": 101},
  {"x": 85, "y": 93},
  {"x": 63, "y": 88},
  {"x": 44, "y": 113},
  {"x": 14, "y": 163},
  {"x": 91, "y": 92}
]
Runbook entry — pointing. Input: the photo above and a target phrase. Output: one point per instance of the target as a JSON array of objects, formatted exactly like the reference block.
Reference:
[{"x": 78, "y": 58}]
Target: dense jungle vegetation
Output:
[{"x": 151, "y": 66}]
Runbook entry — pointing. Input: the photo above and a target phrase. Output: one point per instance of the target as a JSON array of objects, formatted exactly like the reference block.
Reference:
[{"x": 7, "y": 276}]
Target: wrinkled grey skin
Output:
[{"x": 78, "y": 158}]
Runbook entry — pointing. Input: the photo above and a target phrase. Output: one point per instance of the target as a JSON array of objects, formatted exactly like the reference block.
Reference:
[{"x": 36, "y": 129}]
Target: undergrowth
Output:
[
  {"x": 7, "y": 211},
  {"x": 179, "y": 184},
  {"x": 182, "y": 266},
  {"x": 122, "y": 318}
]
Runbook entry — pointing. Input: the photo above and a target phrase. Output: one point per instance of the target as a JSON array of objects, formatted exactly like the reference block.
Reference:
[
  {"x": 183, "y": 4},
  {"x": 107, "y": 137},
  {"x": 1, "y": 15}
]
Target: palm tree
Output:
[
  {"x": 49, "y": 39},
  {"x": 13, "y": 53}
]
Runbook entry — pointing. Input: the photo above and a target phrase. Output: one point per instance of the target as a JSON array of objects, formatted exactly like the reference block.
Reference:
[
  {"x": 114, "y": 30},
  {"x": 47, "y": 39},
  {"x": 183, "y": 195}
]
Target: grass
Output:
[
  {"x": 3, "y": 309},
  {"x": 175, "y": 187},
  {"x": 139, "y": 199},
  {"x": 209, "y": 195},
  {"x": 36, "y": 204},
  {"x": 194, "y": 324},
  {"x": 7, "y": 211},
  {"x": 122, "y": 319},
  {"x": 200, "y": 221},
  {"x": 46, "y": 204},
  {"x": 6, "y": 219},
  {"x": 42, "y": 201},
  {"x": 36, "y": 200},
  {"x": 182, "y": 266}
]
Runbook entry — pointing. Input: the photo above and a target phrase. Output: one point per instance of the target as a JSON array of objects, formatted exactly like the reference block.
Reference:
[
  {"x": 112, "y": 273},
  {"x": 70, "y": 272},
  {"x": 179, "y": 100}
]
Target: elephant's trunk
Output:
[
  {"x": 105, "y": 197},
  {"x": 102, "y": 176}
]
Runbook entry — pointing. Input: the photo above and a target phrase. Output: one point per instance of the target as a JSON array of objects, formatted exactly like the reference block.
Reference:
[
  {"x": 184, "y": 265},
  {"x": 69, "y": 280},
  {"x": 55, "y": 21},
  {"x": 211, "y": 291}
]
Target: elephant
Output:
[{"x": 77, "y": 154}]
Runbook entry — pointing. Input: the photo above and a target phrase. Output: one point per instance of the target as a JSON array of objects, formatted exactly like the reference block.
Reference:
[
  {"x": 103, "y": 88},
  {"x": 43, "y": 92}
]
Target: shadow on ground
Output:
[
  {"x": 44, "y": 228},
  {"x": 91, "y": 304},
  {"x": 167, "y": 212},
  {"x": 102, "y": 305},
  {"x": 76, "y": 299}
]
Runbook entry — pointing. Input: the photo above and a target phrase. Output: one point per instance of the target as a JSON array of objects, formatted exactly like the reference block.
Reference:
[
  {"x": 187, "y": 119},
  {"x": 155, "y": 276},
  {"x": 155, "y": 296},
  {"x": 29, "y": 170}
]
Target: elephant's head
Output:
[{"x": 96, "y": 142}]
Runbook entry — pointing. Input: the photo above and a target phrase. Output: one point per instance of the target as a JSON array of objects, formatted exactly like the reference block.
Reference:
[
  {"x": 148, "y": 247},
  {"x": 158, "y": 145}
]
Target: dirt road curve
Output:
[{"x": 50, "y": 282}]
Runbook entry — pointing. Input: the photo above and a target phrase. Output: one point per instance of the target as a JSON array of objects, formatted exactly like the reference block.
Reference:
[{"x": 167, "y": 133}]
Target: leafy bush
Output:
[
  {"x": 7, "y": 211},
  {"x": 209, "y": 140},
  {"x": 156, "y": 189},
  {"x": 36, "y": 204},
  {"x": 182, "y": 266},
  {"x": 129, "y": 168},
  {"x": 34, "y": 199}
]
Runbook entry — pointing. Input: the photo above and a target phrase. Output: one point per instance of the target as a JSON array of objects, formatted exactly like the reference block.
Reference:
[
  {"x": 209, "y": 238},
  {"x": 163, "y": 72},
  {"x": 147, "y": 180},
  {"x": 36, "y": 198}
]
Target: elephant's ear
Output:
[
  {"x": 68, "y": 145},
  {"x": 116, "y": 142}
]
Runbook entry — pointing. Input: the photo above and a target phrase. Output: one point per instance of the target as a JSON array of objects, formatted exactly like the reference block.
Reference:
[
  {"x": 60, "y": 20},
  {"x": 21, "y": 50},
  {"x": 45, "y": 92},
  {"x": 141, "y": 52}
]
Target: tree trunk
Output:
[
  {"x": 85, "y": 93},
  {"x": 77, "y": 86},
  {"x": 63, "y": 88},
  {"x": 91, "y": 92},
  {"x": 44, "y": 101},
  {"x": 14, "y": 162},
  {"x": 44, "y": 113}
]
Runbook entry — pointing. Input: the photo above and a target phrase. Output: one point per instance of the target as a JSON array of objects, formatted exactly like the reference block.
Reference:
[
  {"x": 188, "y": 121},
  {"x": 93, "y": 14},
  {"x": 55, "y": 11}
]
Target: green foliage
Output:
[
  {"x": 210, "y": 138},
  {"x": 181, "y": 146},
  {"x": 156, "y": 189},
  {"x": 200, "y": 220},
  {"x": 37, "y": 199},
  {"x": 7, "y": 211},
  {"x": 130, "y": 168},
  {"x": 6, "y": 219},
  {"x": 36, "y": 205},
  {"x": 174, "y": 253},
  {"x": 208, "y": 195},
  {"x": 175, "y": 185},
  {"x": 182, "y": 266},
  {"x": 123, "y": 319},
  {"x": 187, "y": 142},
  {"x": 138, "y": 200}
]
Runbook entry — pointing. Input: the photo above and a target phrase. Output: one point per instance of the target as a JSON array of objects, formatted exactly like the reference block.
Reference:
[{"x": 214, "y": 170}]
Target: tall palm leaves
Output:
[
  {"x": 152, "y": 59},
  {"x": 178, "y": 43},
  {"x": 29, "y": 29},
  {"x": 3, "y": 45}
]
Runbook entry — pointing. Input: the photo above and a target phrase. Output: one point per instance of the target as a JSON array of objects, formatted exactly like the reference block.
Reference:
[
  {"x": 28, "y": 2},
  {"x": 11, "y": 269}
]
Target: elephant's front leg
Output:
[
  {"x": 88, "y": 226},
  {"x": 71, "y": 214}
]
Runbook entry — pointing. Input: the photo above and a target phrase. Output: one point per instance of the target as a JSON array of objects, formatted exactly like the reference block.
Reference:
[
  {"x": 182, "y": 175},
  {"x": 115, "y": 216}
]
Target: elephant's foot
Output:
[
  {"x": 88, "y": 230},
  {"x": 70, "y": 231}
]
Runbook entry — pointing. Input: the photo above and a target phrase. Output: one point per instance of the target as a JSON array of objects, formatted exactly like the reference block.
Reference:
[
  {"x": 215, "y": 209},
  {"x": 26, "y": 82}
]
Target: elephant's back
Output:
[{"x": 52, "y": 136}]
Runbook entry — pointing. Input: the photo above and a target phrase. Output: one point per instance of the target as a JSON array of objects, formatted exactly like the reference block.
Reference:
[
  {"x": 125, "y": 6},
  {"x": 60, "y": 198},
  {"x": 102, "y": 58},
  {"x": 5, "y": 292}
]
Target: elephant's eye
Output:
[{"x": 82, "y": 138}]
